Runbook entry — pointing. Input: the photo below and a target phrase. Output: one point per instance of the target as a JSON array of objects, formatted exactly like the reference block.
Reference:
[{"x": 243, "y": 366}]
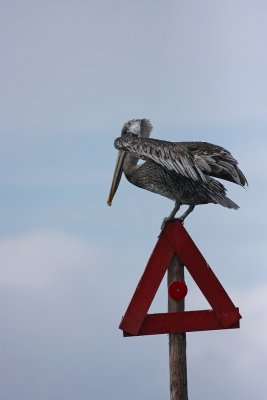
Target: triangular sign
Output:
[{"x": 136, "y": 321}]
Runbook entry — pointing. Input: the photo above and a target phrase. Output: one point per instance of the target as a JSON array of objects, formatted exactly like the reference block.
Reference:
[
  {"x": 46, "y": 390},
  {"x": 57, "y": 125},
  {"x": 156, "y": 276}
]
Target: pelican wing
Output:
[
  {"x": 172, "y": 156},
  {"x": 216, "y": 161}
]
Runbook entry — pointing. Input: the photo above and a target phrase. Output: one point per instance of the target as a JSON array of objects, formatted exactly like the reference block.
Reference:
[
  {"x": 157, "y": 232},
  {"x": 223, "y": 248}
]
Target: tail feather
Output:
[
  {"x": 217, "y": 194},
  {"x": 229, "y": 203}
]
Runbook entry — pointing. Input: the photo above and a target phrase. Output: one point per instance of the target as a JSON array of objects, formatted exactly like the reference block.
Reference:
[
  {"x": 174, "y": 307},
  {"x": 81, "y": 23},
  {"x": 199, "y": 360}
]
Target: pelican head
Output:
[{"x": 136, "y": 127}]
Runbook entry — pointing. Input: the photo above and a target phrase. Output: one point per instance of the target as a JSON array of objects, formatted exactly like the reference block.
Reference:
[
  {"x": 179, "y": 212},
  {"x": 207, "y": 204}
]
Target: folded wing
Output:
[
  {"x": 193, "y": 160},
  {"x": 216, "y": 161}
]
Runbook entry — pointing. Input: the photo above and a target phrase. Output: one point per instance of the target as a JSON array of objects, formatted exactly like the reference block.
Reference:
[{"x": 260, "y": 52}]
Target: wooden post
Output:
[{"x": 177, "y": 341}]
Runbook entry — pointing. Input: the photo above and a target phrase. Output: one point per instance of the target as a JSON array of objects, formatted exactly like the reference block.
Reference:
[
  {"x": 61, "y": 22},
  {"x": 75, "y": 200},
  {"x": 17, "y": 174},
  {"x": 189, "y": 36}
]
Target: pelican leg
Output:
[
  {"x": 171, "y": 216},
  {"x": 186, "y": 213}
]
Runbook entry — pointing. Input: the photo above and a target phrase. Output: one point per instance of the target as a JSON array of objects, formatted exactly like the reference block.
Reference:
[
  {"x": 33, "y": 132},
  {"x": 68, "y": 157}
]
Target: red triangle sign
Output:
[{"x": 223, "y": 315}]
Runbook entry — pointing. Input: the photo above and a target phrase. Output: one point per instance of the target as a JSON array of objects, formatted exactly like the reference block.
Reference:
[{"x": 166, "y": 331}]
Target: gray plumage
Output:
[{"x": 180, "y": 171}]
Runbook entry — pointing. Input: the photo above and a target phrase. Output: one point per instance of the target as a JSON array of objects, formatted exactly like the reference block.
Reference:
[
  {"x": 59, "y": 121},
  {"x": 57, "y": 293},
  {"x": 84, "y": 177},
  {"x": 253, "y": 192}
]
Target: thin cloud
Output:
[{"x": 37, "y": 259}]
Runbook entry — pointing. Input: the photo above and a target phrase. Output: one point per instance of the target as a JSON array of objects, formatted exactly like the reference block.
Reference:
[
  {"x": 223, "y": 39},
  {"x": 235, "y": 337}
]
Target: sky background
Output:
[{"x": 71, "y": 73}]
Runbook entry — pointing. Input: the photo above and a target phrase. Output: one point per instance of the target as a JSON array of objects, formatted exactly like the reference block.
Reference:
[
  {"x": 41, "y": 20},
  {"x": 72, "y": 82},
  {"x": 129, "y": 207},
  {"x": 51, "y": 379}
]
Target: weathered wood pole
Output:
[{"x": 177, "y": 341}]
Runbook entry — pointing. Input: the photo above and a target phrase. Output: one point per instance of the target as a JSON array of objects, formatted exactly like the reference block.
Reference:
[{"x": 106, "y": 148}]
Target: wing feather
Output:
[
  {"x": 172, "y": 156},
  {"x": 192, "y": 160},
  {"x": 216, "y": 161}
]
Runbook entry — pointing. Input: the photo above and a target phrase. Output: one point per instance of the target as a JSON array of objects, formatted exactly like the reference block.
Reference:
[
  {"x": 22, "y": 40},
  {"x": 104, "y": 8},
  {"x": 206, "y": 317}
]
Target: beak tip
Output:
[{"x": 109, "y": 203}]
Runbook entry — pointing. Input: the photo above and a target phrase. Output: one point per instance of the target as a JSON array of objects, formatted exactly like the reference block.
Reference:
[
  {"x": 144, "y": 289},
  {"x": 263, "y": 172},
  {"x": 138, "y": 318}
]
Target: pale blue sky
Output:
[{"x": 72, "y": 72}]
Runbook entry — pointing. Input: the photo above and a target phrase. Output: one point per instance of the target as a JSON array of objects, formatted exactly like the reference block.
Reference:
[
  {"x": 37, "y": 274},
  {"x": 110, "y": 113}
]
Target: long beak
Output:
[{"x": 116, "y": 177}]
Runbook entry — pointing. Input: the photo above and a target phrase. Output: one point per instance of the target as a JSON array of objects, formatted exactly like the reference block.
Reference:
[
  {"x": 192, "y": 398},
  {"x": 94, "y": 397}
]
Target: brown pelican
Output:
[{"x": 181, "y": 171}]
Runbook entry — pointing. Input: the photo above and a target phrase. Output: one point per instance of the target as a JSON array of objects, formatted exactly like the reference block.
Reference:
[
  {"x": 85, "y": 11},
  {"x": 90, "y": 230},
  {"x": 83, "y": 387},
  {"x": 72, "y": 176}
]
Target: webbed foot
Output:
[{"x": 181, "y": 218}]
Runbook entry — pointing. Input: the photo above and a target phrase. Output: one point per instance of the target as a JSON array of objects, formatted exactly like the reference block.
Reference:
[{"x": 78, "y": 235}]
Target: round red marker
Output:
[{"x": 177, "y": 290}]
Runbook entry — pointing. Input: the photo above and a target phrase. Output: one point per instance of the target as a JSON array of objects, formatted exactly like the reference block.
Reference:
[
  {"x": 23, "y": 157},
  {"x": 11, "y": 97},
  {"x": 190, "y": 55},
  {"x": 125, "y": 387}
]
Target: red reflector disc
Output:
[{"x": 177, "y": 290}]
